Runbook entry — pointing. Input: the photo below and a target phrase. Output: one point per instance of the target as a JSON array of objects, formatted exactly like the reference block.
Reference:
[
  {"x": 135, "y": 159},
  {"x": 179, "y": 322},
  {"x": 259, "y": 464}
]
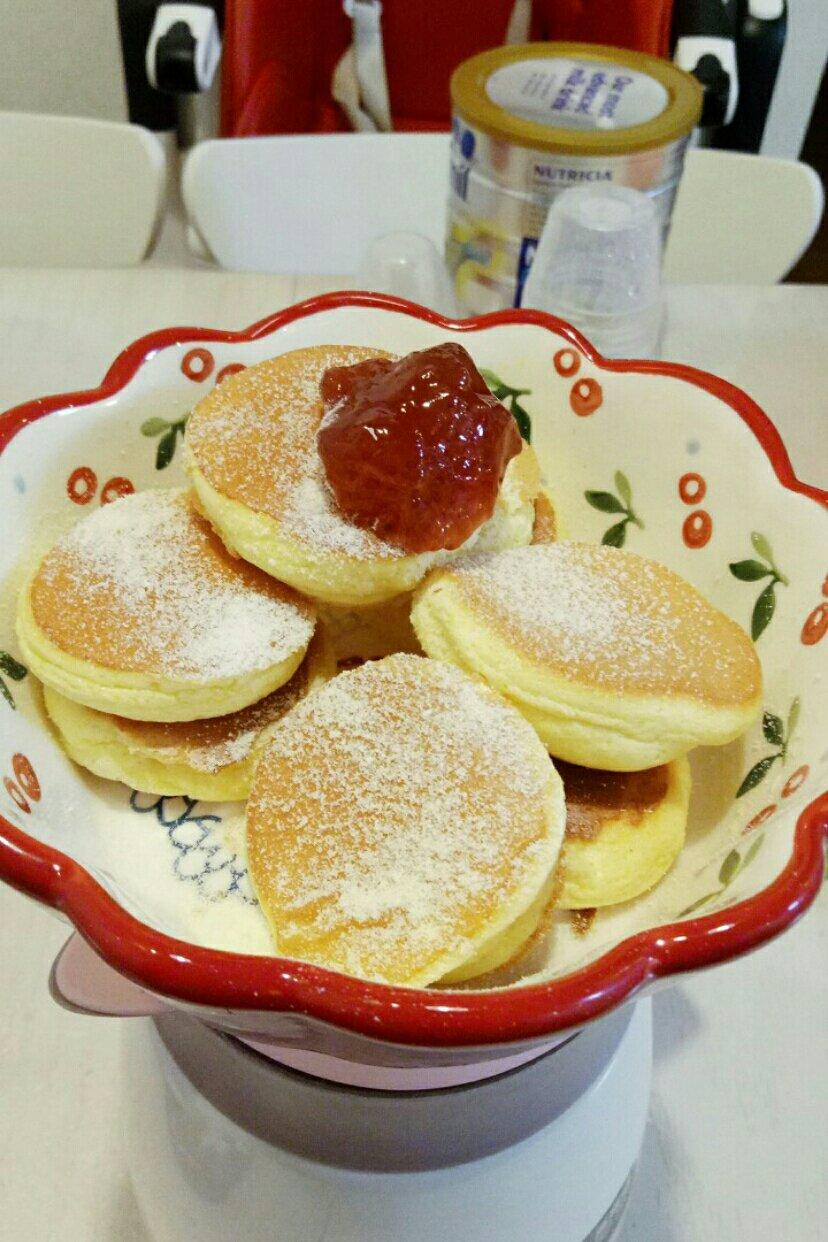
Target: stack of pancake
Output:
[
  {"x": 622, "y": 667},
  {"x": 391, "y": 715},
  {"x": 164, "y": 659}
]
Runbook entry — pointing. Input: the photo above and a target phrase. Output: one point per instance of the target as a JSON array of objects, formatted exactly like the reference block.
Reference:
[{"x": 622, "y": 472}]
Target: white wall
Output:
[{"x": 61, "y": 56}]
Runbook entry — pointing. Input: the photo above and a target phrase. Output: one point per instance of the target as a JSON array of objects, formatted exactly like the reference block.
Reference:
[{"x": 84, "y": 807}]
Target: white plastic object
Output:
[
  {"x": 196, "y": 1173},
  {"x": 741, "y": 219},
  {"x": 689, "y": 51},
  {"x": 369, "y": 60},
  {"x": 77, "y": 192},
  {"x": 311, "y": 204},
  {"x": 410, "y": 266},
  {"x": 203, "y": 24},
  {"x": 766, "y": 10},
  {"x": 597, "y": 266}
]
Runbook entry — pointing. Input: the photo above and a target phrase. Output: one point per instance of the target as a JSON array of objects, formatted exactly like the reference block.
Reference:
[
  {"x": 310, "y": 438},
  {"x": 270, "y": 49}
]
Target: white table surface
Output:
[{"x": 738, "y": 1131}]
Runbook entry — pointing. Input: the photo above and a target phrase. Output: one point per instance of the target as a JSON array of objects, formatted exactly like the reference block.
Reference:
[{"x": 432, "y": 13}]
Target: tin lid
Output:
[{"x": 576, "y": 98}]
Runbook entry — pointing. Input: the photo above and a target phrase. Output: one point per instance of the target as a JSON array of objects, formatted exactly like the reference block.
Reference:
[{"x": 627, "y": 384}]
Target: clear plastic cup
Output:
[
  {"x": 408, "y": 265},
  {"x": 598, "y": 266}
]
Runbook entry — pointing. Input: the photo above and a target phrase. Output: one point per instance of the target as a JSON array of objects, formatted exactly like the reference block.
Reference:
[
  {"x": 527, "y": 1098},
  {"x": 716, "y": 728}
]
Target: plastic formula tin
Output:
[{"x": 533, "y": 119}]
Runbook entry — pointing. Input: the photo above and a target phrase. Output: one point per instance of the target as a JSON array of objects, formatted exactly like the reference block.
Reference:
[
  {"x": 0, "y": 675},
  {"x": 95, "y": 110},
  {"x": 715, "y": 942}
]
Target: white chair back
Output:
[
  {"x": 76, "y": 192},
  {"x": 741, "y": 219},
  {"x": 312, "y": 203}
]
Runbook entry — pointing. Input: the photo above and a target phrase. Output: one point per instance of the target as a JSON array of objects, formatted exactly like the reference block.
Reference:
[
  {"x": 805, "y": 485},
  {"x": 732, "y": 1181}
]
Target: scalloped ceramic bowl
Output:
[{"x": 676, "y": 464}]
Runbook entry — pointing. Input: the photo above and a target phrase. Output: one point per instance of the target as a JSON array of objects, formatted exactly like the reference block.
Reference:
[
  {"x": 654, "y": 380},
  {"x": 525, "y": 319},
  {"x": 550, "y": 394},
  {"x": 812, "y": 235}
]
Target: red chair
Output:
[
  {"x": 641, "y": 25},
  {"x": 280, "y": 55}
]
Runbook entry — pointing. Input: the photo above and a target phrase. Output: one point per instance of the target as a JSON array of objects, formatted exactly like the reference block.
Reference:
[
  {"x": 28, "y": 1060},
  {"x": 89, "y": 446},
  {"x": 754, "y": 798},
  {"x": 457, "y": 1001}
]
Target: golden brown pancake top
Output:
[
  {"x": 611, "y": 619},
  {"x": 254, "y": 440},
  {"x": 392, "y": 813},
  {"x": 144, "y": 585},
  {"x": 594, "y": 796}
]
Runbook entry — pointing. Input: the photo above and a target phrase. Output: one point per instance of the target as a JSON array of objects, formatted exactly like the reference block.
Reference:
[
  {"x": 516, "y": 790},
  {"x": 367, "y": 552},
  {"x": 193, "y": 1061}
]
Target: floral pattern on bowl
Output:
[{"x": 668, "y": 461}]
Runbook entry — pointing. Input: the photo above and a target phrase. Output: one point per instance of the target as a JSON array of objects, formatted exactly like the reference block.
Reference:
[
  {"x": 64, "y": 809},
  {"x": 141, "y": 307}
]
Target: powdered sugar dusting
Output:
[
  {"x": 312, "y": 516},
  {"x": 254, "y": 439},
  {"x": 392, "y": 813},
  {"x": 144, "y": 584},
  {"x": 216, "y": 743},
  {"x": 612, "y": 615}
]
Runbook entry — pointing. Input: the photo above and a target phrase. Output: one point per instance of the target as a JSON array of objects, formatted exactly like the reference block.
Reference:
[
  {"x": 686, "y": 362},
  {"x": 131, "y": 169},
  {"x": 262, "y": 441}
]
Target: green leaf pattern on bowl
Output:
[
  {"x": 10, "y": 668},
  {"x": 733, "y": 864},
  {"x": 753, "y": 571},
  {"x": 608, "y": 502},
  {"x": 778, "y": 735},
  {"x": 169, "y": 433},
  {"x": 510, "y": 396}
]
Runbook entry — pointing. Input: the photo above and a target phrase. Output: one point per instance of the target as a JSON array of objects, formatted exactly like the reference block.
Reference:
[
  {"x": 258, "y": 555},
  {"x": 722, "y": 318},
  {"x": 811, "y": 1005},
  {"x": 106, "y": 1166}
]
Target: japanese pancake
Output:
[
  {"x": 616, "y": 660},
  {"x": 209, "y": 759},
  {"x": 624, "y": 830},
  {"x": 251, "y": 453},
  {"x": 404, "y": 826},
  {"x": 140, "y": 611},
  {"x": 356, "y": 634}
]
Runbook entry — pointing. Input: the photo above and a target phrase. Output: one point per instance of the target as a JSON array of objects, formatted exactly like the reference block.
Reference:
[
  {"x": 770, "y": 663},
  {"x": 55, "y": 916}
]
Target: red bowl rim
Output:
[{"x": 220, "y": 979}]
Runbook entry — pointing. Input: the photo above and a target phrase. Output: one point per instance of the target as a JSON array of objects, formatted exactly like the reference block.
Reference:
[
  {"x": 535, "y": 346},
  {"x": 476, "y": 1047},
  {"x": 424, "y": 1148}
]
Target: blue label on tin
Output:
[
  {"x": 528, "y": 246},
  {"x": 462, "y": 154}
]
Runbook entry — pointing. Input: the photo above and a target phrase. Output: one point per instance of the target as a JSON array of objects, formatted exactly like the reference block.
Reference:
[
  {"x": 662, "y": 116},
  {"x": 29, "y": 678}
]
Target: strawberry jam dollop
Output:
[{"x": 415, "y": 450}]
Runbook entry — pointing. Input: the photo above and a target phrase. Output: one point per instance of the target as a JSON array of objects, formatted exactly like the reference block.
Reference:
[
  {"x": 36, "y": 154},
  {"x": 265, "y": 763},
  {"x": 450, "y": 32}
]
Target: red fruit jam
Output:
[{"x": 415, "y": 450}]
